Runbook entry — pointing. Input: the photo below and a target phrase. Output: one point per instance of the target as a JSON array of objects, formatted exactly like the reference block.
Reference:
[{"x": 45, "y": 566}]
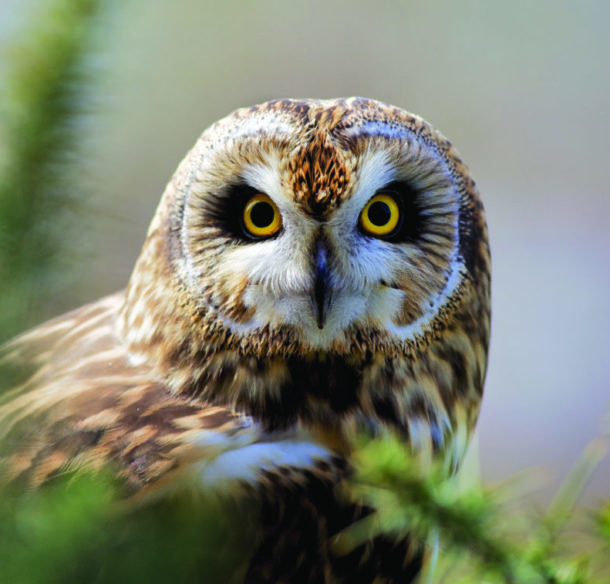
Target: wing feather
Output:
[{"x": 81, "y": 403}]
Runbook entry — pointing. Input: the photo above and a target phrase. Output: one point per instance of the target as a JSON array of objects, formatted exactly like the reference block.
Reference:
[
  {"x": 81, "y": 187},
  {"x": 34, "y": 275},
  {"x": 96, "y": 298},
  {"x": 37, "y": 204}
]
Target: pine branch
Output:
[
  {"x": 47, "y": 88},
  {"x": 500, "y": 550}
]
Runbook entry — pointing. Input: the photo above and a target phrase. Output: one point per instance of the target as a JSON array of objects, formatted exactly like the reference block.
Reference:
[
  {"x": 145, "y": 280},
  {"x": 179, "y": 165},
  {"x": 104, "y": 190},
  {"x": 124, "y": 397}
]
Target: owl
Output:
[{"x": 317, "y": 271}]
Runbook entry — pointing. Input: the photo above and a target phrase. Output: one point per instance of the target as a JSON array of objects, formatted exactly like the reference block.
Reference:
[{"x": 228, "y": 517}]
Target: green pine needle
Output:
[{"x": 46, "y": 97}]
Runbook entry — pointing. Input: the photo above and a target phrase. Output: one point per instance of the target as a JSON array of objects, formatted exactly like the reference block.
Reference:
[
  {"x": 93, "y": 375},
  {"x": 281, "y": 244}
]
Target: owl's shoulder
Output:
[{"x": 73, "y": 399}]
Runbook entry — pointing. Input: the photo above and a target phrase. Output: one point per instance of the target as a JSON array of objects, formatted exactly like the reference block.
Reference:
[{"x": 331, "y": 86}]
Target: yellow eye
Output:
[
  {"x": 261, "y": 217},
  {"x": 380, "y": 216}
]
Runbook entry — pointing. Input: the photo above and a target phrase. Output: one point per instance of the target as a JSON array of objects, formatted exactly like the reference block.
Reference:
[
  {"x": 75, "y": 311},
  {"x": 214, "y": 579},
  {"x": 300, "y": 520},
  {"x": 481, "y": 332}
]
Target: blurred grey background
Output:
[{"x": 522, "y": 88}]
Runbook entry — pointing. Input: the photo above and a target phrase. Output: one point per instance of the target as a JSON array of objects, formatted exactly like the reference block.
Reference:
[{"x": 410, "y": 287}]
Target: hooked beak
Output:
[{"x": 321, "y": 297}]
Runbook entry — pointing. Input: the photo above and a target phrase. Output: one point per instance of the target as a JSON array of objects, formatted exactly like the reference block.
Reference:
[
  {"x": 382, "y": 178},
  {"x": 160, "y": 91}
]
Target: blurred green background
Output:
[{"x": 523, "y": 90}]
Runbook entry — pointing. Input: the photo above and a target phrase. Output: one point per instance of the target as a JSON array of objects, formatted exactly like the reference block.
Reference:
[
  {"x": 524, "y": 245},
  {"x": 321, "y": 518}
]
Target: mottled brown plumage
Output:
[{"x": 256, "y": 361}]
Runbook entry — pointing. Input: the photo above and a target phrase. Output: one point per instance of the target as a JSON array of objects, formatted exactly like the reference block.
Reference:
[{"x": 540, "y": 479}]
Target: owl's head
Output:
[{"x": 306, "y": 225}]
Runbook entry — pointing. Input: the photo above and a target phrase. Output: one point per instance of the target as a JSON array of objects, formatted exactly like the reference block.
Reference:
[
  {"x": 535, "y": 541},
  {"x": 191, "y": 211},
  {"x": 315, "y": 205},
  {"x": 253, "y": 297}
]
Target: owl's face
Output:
[{"x": 320, "y": 222}]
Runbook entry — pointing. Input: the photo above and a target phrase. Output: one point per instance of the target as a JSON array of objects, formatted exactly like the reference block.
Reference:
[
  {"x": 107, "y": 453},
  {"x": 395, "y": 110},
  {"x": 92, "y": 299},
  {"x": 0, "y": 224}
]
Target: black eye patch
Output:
[
  {"x": 411, "y": 221},
  {"x": 223, "y": 211}
]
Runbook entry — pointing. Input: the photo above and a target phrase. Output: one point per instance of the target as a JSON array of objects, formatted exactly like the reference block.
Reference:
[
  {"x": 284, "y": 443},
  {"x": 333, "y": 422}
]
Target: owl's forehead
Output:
[{"x": 318, "y": 148}]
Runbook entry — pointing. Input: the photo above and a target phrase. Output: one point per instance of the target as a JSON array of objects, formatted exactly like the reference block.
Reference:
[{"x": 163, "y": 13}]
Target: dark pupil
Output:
[
  {"x": 262, "y": 214},
  {"x": 379, "y": 213}
]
